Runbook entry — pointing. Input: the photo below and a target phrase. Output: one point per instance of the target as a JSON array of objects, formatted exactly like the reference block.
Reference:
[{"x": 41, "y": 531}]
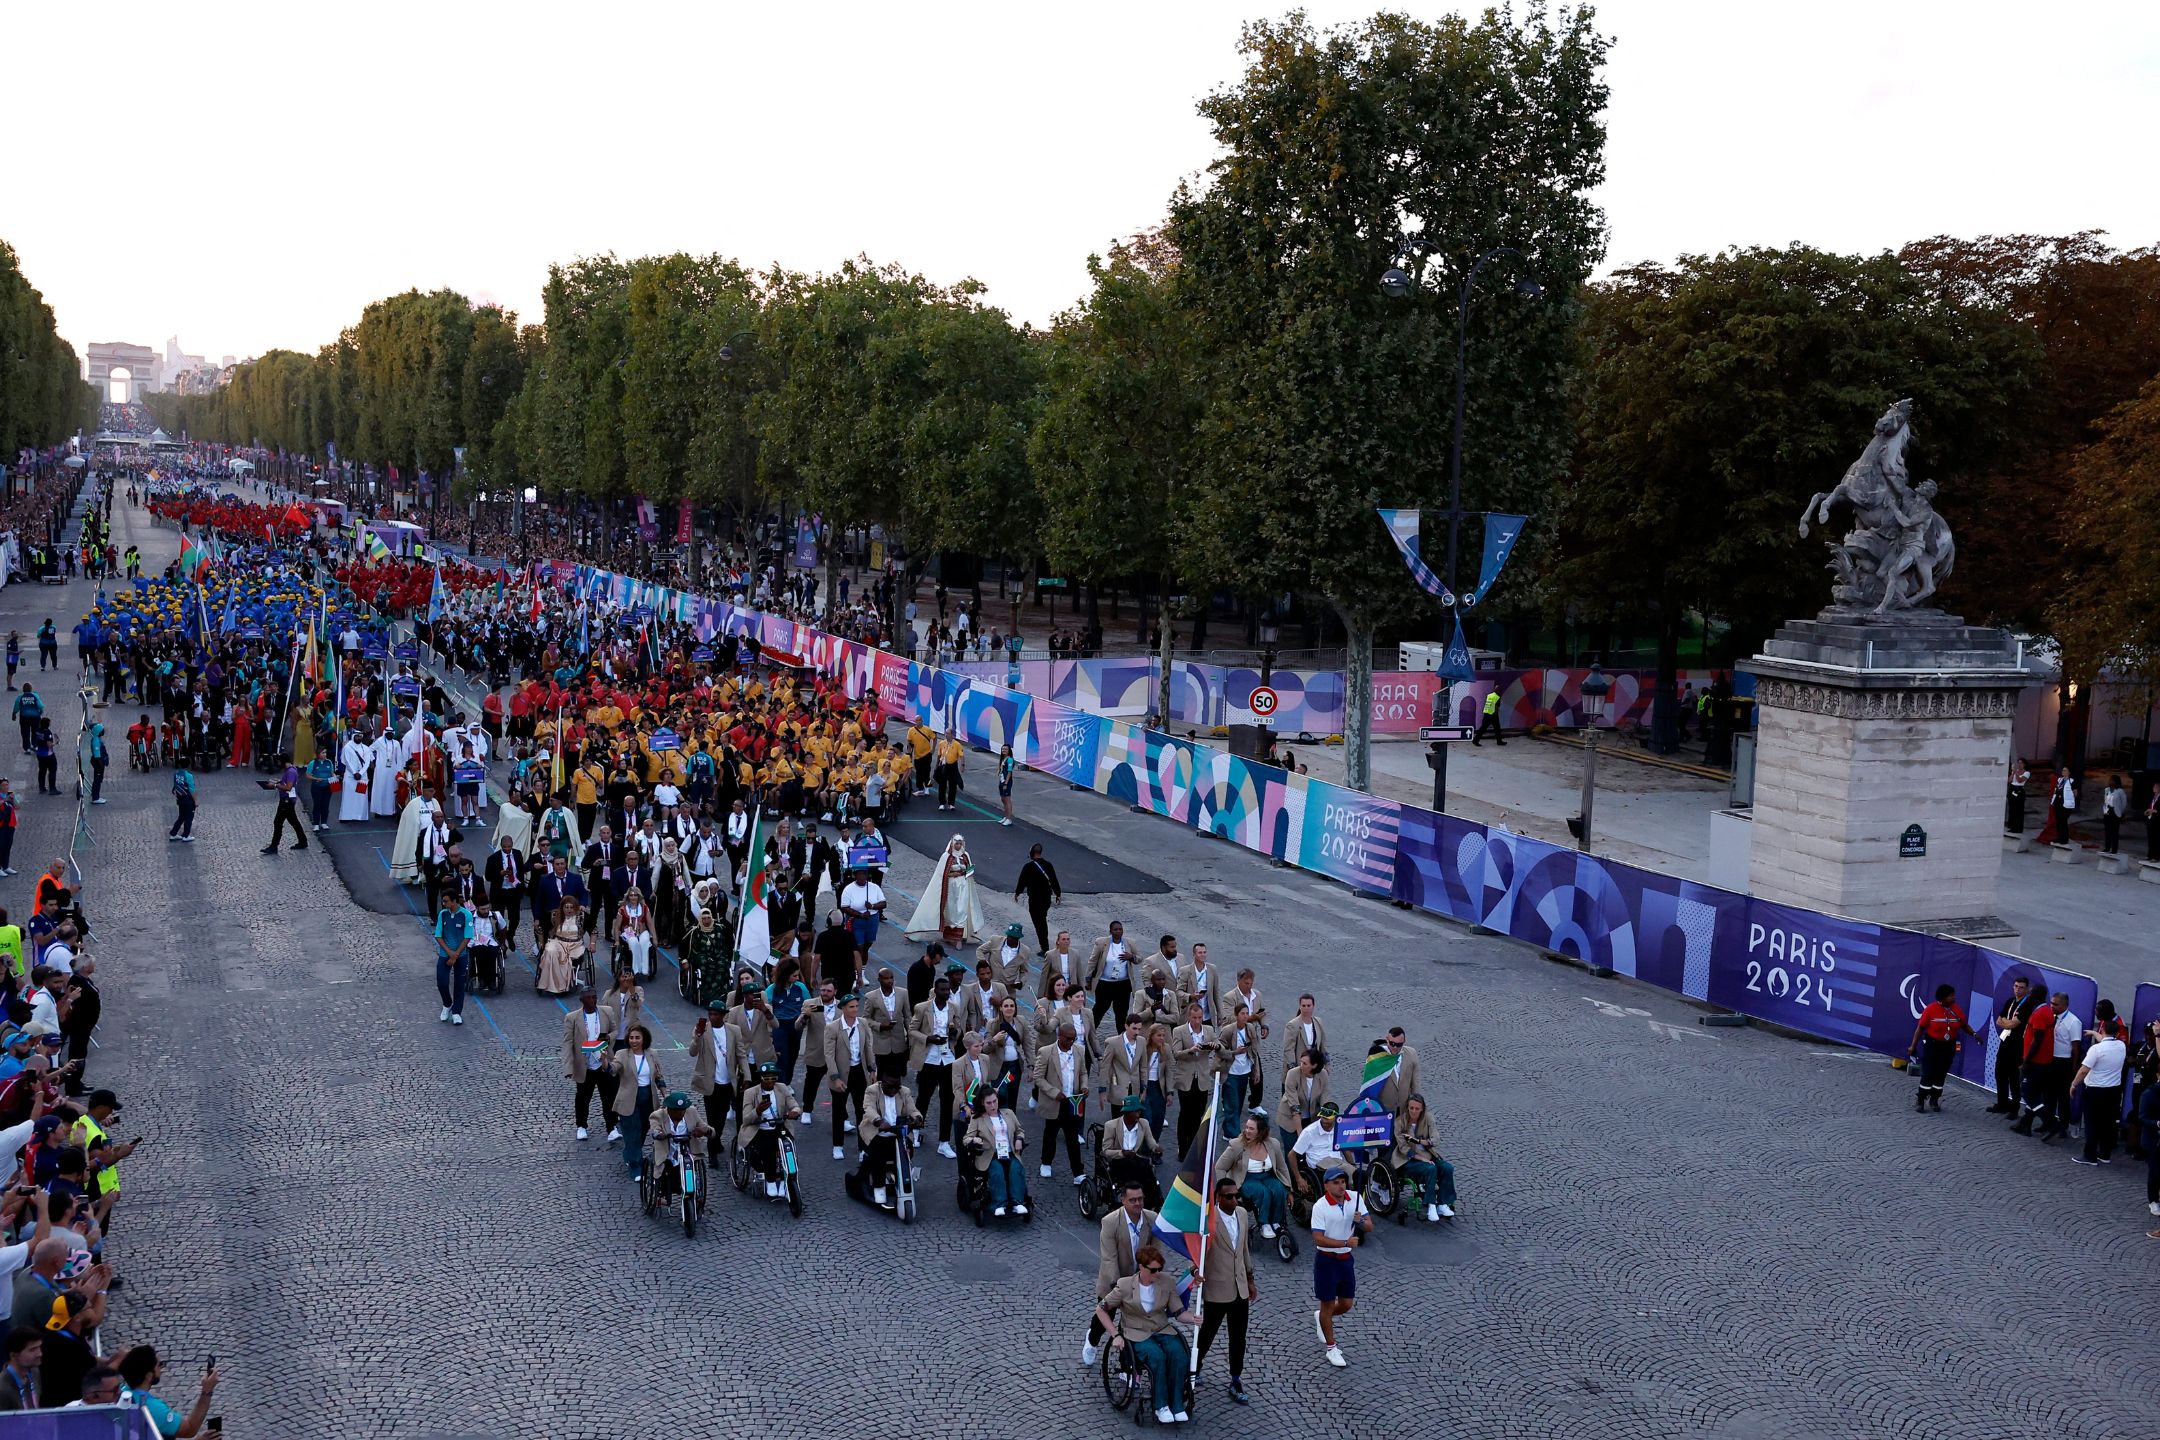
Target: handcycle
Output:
[
  {"x": 784, "y": 1171},
  {"x": 679, "y": 1181},
  {"x": 899, "y": 1200}
]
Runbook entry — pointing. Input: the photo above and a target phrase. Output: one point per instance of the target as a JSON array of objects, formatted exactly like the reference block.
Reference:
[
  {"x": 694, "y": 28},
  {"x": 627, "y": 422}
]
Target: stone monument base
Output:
[{"x": 1880, "y": 758}]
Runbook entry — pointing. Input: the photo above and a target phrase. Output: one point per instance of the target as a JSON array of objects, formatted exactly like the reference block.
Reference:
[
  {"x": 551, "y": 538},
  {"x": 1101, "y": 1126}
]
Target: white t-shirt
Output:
[
  {"x": 666, "y": 794},
  {"x": 1338, "y": 1222},
  {"x": 60, "y": 957},
  {"x": 1113, "y": 964},
  {"x": 2104, "y": 1064},
  {"x": 2068, "y": 1030},
  {"x": 862, "y": 895},
  {"x": 1319, "y": 1148}
]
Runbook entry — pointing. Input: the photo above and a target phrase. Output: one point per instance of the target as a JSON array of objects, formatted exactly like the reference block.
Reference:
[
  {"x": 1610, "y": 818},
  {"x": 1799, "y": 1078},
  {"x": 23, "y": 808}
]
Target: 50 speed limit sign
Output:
[{"x": 1263, "y": 701}]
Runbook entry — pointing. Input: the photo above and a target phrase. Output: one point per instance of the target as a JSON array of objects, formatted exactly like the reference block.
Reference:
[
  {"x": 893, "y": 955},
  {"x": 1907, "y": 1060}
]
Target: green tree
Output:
[
  {"x": 1720, "y": 393},
  {"x": 1322, "y": 391},
  {"x": 43, "y": 399}
]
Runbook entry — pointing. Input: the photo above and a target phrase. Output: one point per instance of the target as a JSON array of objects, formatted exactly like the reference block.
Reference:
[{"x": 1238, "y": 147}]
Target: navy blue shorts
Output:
[{"x": 1334, "y": 1277}]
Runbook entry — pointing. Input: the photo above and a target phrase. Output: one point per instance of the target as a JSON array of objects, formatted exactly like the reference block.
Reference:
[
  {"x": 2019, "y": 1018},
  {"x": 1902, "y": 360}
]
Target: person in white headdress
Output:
[
  {"x": 388, "y": 758},
  {"x": 418, "y": 821},
  {"x": 950, "y": 909},
  {"x": 513, "y": 820},
  {"x": 356, "y": 768}
]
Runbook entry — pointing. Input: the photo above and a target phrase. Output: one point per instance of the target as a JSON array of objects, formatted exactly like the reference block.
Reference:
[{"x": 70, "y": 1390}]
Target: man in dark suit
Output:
[
  {"x": 2010, "y": 1022},
  {"x": 1038, "y": 885},
  {"x": 506, "y": 881},
  {"x": 558, "y": 884},
  {"x": 607, "y": 875}
]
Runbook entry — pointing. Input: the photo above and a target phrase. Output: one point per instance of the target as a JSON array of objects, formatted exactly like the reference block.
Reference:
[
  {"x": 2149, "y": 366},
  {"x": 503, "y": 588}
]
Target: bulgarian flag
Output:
[
  {"x": 1181, "y": 1227},
  {"x": 192, "y": 558},
  {"x": 753, "y": 934}
]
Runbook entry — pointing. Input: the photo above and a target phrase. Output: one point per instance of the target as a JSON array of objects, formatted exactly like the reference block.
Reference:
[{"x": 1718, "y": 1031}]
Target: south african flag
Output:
[
  {"x": 1181, "y": 1226},
  {"x": 753, "y": 935}
]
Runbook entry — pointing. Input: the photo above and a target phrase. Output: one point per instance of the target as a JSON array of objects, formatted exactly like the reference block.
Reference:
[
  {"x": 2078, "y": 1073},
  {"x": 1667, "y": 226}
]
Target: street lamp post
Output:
[
  {"x": 1397, "y": 283},
  {"x": 1595, "y": 687}
]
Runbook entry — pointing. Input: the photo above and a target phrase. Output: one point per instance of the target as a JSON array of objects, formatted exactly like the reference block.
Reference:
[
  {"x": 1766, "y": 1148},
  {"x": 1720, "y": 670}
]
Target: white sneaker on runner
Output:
[
  {"x": 1335, "y": 1356},
  {"x": 1088, "y": 1352},
  {"x": 1046, "y": 1172},
  {"x": 839, "y": 1152},
  {"x": 445, "y": 1013},
  {"x": 581, "y": 1134},
  {"x": 457, "y": 1019}
]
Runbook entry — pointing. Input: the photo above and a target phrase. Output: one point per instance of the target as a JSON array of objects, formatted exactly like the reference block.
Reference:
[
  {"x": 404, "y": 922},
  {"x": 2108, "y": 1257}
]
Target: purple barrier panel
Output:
[
  {"x": 1148, "y": 769},
  {"x": 1350, "y": 836},
  {"x": 1841, "y": 979},
  {"x": 1441, "y": 866},
  {"x": 1065, "y": 742},
  {"x": 1651, "y": 927},
  {"x": 1993, "y": 975}
]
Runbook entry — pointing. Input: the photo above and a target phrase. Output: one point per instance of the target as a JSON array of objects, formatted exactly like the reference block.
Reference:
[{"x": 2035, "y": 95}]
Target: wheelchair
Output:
[
  {"x": 1128, "y": 1386},
  {"x": 741, "y": 1171},
  {"x": 1285, "y": 1241},
  {"x": 1099, "y": 1196},
  {"x": 973, "y": 1192},
  {"x": 679, "y": 1185}
]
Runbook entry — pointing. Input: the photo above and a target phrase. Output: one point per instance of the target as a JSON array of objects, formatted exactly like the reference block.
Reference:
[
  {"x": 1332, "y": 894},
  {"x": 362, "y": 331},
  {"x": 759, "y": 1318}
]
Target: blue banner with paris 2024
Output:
[
  {"x": 1350, "y": 837},
  {"x": 1820, "y": 974}
]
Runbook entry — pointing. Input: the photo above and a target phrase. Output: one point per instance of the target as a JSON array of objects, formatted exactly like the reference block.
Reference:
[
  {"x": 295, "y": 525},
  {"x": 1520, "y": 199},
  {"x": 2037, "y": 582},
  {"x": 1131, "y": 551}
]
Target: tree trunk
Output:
[
  {"x": 832, "y": 569},
  {"x": 1162, "y": 666},
  {"x": 1357, "y": 700},
  {"x": 1665, "y": 701},
  {"x": 1199, "y": 629}
]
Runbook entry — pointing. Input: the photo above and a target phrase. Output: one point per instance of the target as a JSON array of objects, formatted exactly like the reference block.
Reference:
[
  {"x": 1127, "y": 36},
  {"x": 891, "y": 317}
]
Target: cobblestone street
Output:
[{"x": 382, "y": 1226}]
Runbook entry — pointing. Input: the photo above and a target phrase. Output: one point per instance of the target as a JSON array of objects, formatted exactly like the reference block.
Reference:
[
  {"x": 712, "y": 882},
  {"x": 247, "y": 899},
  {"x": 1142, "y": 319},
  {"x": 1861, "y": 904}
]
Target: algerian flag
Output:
[{"x": 753, "y": 935}]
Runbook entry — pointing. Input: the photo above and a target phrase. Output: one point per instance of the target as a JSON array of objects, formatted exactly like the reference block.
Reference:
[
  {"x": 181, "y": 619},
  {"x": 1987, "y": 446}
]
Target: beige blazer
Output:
[
  {"x": 1113, "y": 1138},
  {"x": 657, "y": 1133},
  {"x": 1396, "y": 1091},
  {"x": 1232, "y": 1160},
  {"x": 1192, "y": 1058},
  {"x": 1298, "y": 1105},
  {"x": 1293, "y": 1044},
  {"x": 1190, "y": 987},
  {"x": 976, "y": 1013},
  {"x": 573, "y": 1036},
  {"x": 1049, "y": 1079},
  {"x": 753, "y": 1105},
  {"x": 920, "y": 1030},
  {"x": 888, "y": 1027},
  {"x": 873, "y": 1110},
  {"x": 705, "y": 1070},
  {"x": 981, "y": 1146},
  {"x": 754, "y": 1029},
  {"x": 1122, "y": 1077},
  {"x": 836, "y": 1047},
  {"x": 625, "y": 1063},
  {"x": 1066, "y": 963},
  {"x": 1010, "y": 973},
  {"x": 1136, "y": 1319},
  {"x": 1097, "y": 953},
  {"x": 964, "y": 1075},
  {"x": 1229, "y": 1273},
  {"x": 1113, "y": 1248}
]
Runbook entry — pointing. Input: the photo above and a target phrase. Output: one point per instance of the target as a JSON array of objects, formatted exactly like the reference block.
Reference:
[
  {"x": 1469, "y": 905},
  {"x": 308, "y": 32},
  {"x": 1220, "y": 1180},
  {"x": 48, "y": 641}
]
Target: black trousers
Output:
[
  {"x": 922, "y": 769},
  {"x": 2008, "y": 1063},
  {"x": 948, "y": 785},
  {"x": 1488, "y": 725},
  {"x": 1212, "y": 1315},
  {"x": 1063, "y": 1118},
  {"x": 1113, "y": 996},
  {"x": 1935, "y": 1057},
  {"x": 2103, "y": 1118},
  {"x": 934, "y": 1083},
  {"x": 858, "y": 1081},
  {"x": 602, "y": 1080},
  {"x": 1039, "y": 912},
  {"x": 891, "y": 1063},
  {"x": 2110, "y": 832},
  {"x": 717, "y": 1105},
  {"x": 510, "y": 900},
  {"x": 1192, "y": 1103},
  {"x": 289, "y": 814}
]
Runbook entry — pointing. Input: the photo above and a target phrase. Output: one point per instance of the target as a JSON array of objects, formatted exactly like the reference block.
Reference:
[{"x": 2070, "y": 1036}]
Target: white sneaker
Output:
[
  {"x": 1335, "y": 1356},
  {"x": 614, "y": 1133},
  {"x": 457, "y": 1019},
  {"x": 2151, "y": 1205},
  {"x": 1046, "y": 1172},
  {"x": 1080, "y": 1179},
  {"x": 1447, "y": 1212},
  {"x": 1267, "y": 1232},
  {"x": 445, "y": 1013},
  {"x": 1180, "y": 1416},
  {"x": 1163, "y": 1415},
  {"x": 839, "y": 1152},
  {"x": 877, "y": 1193},
  {"x": 187, "y": 839},
  {"x": 945, "y": 1149},
  {"x": 1088, "y": 1353},
  {"x": 1017, "y": 1210},
  {"x": 1006, "y": 823},
  {"x": 581, "y": 1132},
  {"x": 999, "y": 1212},
  {"x": 1432, "y": 1212}
]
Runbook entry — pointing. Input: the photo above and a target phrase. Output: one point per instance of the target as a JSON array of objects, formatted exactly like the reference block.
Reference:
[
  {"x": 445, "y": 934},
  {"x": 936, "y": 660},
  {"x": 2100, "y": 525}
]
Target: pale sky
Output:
[{"x": 271, "y": 168}]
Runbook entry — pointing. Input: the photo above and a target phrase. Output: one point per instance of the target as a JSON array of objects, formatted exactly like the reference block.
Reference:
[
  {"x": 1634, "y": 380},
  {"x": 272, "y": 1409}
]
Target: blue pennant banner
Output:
[{"x": 1402, "y": 528}]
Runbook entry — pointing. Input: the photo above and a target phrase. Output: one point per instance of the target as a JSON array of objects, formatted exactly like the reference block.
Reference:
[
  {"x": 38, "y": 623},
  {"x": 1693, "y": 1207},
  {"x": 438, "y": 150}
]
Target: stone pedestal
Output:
[{"x": 1867, "y": 727}]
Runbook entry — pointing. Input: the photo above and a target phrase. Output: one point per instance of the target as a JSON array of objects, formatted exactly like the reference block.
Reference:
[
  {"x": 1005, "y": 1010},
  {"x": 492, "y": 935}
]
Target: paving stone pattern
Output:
[{"x": 383, "y": 1227}]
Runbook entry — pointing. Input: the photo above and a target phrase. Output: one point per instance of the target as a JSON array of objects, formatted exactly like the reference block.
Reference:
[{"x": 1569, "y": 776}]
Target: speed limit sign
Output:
[{"x": 1263, "y": 701}]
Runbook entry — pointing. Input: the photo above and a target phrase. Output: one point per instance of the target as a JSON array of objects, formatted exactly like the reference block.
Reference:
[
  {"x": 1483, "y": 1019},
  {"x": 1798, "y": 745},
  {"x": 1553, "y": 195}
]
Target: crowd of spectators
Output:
[{"x": 129, "y": 418}]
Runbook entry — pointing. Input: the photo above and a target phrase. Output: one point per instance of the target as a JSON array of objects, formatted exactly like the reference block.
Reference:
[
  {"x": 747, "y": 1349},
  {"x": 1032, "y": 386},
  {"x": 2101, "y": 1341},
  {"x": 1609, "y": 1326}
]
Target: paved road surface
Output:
[{"x": 382, "y": 1225}]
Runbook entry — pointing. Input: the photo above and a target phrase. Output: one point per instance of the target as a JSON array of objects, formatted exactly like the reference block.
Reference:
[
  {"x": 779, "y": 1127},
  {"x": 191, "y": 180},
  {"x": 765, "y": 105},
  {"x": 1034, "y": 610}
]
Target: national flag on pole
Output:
[
  {"x": 533, "y": 616},
  {"x": 435, "y": 604},
  {"x": 226, "y": 622},
  {"x": 374, "y": 546},
  {"x": 311, "y": 658},
  {"x": 584, "y": 643},
  {"x": 1377, "y": 1070},
  {"x": 753, "y": 940},
  {"x": 1181, "y": 1226},
  {"x": 191, "y": 558}
]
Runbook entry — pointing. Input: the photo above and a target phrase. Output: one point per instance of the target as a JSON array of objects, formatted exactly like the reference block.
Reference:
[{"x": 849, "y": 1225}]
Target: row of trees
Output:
[
  {"x": 43, "y": 397},
  {"x": 1237, "y": 393}
]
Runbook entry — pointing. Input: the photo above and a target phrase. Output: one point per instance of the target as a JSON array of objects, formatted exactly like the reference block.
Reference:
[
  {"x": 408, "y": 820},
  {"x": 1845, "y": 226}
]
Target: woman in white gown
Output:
[{"x": 950, "y": 909}]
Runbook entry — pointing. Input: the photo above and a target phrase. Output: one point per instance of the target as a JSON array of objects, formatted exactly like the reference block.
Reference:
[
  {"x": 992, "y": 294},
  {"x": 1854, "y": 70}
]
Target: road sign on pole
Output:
[
  {"x": 1263, "y": 701},
  {"x": 1446, "y": 732}
]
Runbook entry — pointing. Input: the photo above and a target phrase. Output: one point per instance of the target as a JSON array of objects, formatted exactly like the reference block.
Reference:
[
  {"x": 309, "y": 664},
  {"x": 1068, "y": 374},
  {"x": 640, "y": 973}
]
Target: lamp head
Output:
[{"x": 1395, "y": 282}]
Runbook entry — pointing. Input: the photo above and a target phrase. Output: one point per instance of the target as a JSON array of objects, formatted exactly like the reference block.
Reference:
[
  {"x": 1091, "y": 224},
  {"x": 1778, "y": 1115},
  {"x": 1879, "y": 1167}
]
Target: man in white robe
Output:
[
  {"x": 389, "y": 758},
  {"x": 419, "y": 814},
  {"x": 356, "y": 765}
]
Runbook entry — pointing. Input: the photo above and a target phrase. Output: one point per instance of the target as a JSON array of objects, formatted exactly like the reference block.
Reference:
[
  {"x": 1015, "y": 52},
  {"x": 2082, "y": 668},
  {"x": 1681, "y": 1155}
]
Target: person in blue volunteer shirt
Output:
[
  {"x": 453, "y": 962},
  {"x": 29, "y": 709}
]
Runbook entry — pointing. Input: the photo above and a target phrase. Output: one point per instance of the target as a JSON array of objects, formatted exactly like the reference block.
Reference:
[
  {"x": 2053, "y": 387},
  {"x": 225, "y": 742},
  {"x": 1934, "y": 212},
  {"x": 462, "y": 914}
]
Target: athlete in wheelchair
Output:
[
  {"x": 1148, "y": 1324},
  {"x": 678, "y": 1130},
  {"x": 1127, "y": 1149},
  {"x": 993, "y": 1181},
  {"x": 762, "y": 1137}
]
